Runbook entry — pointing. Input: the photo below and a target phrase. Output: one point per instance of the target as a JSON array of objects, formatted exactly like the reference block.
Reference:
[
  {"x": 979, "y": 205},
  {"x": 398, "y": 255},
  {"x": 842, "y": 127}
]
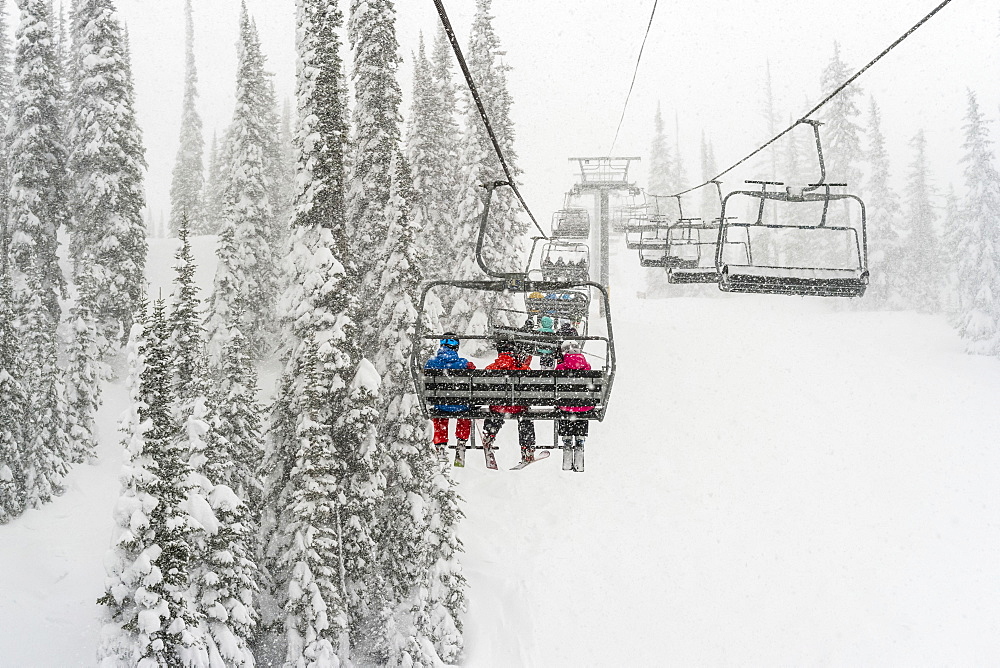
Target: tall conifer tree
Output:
[
  {"x": 841, "y": 132},
  {"x": 661, "y": 169},
  {"x": 6, "y": 98},
  {"x": 371, "y": 32},
  {"x": 13, "y": 407},
  {"x": 886, "y": 283},
  {"x": 151, "y": 618},
  {"x": 188, "y": 180},
  {"x": 246, "y": 279},
  {"x": 431, "y": 153},
  {"x": 37, "y": 159},
  {"x": 921, "y": 261},
  {"x": 976, "y": 242},
  {"x": 318, "y": 504},
  {"x": 107, "y": 164},
  {"x": 415, "y": 487},
  {"x": 187, "y": 335},
  {"x": 84, "y": 372},
  {"x": 505, "y": 237},
  {"x": 214, "y": 183}
]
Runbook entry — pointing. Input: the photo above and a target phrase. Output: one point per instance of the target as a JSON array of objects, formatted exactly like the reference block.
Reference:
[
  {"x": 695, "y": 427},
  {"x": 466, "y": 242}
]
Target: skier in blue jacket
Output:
[{"x": 447, "y": 357}]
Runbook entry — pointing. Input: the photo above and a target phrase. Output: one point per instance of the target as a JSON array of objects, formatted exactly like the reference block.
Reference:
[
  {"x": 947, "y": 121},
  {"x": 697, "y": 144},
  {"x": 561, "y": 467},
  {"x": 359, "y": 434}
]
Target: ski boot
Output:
[
  {"x": 578, "y": 456},
  {"x": 567, "y": 448}
]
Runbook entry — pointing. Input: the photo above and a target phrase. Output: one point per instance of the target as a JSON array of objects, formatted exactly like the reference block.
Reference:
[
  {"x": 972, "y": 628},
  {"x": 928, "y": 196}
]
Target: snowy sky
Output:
[{"x": 572, "y": 63}]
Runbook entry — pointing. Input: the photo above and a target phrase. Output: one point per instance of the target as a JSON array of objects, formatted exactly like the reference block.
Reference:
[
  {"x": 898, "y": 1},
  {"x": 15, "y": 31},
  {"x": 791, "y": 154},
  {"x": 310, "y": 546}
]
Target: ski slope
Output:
[{"x": 778, "y": 482}]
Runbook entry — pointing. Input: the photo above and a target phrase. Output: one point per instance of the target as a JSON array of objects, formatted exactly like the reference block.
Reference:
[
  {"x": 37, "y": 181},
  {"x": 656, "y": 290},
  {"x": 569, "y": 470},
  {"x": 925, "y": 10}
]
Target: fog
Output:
[{"x": 572, "y": 62}]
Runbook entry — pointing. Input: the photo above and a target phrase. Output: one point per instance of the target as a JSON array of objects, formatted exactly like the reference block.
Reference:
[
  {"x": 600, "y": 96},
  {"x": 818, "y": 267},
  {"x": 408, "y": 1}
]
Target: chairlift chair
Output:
[
  {"x": 817, "y": 258},
  {"x": 829, "y": 260},
  {"x": 565, "y": 261},
  {"x": 633, "y": 229},
  {"x": 545, "y": 392},
  {"x": 653, "y": 242},
  {"x": 571, "y": 223},
  {"x": 691, "y": 250}
]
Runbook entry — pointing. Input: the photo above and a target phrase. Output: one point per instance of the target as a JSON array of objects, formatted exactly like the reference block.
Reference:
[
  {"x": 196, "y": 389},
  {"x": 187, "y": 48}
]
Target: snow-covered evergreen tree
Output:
[
  {"x": 661, "y": 168},
  {"x": 246, "y": 278},
  {"x": 920, "y": 265},
  {"x": 976, "y": 243},
  {"x": 84, "y": 373},
  {"x": 951, "y": 226},
  {"x": 212, "y": 195},
  {"x": 107, "y": 163},
  {"x": 371, "y": 32},
  {"x": 409, "y": 523},
  {"x": 150, "y": 616},
  {"x": 223, "y": 570},
  {"x": 505, "y": 237},
  {"x": 321, "y": 478},
  {"x": 37, "y": 205},
  {"x": 355, "y": 434},
  {"x": 186, "y": 332},
  {"x": 47, "y": 450},
  {"x": 886, "y": 283},
  {"x": 432, "y": 153},
  {"x": 235, "y": 442},
  {"x": 6, "y": 96},
  {"x": 680, "y": 176},
  {"x": 309, "y": 568},
  {"x": 841, "y": 133},
  {"x": 407, "y": 462},
  {"x": 13, "y": 406},
  {"x": 188, "y": 180}
]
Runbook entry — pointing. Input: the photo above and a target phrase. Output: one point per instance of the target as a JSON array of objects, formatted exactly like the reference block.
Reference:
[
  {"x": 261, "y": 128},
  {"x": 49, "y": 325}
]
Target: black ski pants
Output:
[{"x": 525, "y": 430}]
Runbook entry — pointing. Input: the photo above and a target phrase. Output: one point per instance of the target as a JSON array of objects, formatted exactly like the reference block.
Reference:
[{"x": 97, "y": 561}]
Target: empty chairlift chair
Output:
[
  {"x": 804, "y": 253},
  {"x": 571, "y": 223},
  {"x": 691, "y": 251},
  {"x": 653, "y": 242}
]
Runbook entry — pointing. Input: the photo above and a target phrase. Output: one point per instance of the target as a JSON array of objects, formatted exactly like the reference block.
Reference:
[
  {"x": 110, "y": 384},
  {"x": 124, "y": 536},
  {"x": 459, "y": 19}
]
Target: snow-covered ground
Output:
[{"x": 777, "y": 482}]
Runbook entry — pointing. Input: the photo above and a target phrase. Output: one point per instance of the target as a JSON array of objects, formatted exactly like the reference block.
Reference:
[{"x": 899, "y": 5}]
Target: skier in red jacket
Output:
[{"x": 511, "y": 356}]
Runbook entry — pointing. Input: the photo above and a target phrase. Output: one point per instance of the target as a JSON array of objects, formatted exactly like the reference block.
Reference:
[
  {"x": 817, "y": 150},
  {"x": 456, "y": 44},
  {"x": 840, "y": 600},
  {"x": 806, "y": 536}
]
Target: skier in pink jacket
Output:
[{"x": 573, "y": 428}]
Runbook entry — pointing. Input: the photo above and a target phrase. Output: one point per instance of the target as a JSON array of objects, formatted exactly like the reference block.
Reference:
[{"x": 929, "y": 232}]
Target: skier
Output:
[
  {"x": 572, "y": 427},
  {"x": 566, "y": 330},
  {"x": 447, "y": 358},
  {"x": 511, "y": 356},
  {"x": 546, "y": 356}
]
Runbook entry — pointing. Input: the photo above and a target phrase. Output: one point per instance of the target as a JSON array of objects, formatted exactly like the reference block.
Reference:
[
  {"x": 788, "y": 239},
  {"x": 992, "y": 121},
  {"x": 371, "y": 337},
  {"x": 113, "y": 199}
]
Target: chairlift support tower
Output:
[{"x": 601, "y": 176}]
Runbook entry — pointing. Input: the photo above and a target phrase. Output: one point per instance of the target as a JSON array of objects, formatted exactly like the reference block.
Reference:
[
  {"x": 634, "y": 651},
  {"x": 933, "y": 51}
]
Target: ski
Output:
[
  {"x": 460, "y": 456},
  {"x": 542, "y": 454}
]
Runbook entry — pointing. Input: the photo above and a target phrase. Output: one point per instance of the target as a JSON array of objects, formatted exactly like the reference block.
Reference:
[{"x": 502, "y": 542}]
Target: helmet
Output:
[
  {"x": 571, "y": 346},
  {"x": 449, "y": 340}
]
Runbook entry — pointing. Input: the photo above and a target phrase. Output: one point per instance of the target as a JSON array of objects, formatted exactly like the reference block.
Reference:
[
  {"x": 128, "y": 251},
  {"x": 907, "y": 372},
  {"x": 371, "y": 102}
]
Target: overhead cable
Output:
[
  {"x": 822, "y": 103},
  {"x": 635, "y": 73},
  {"x": 482, "y": 110}
]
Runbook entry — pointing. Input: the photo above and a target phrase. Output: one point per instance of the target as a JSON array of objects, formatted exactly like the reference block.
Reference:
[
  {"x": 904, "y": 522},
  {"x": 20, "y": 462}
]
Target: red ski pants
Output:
[{"x": 462, "y": 430}]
